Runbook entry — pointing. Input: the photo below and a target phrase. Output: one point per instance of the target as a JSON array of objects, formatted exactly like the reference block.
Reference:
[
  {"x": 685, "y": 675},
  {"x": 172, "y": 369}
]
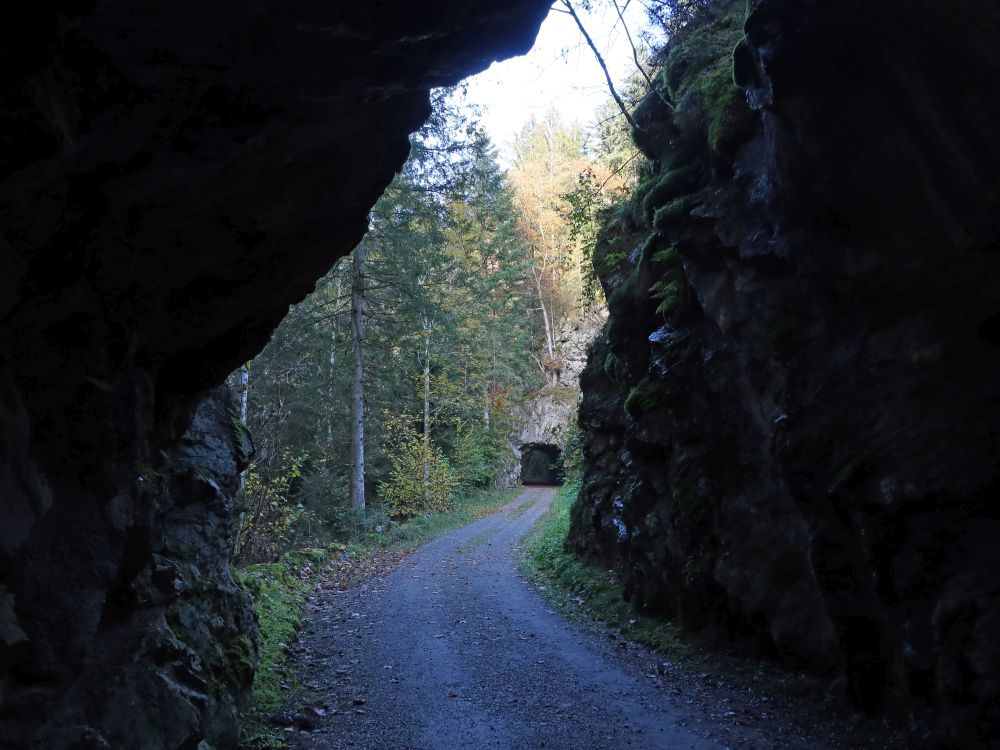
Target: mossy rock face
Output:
[
  {"x": 708, "y": 120},
  {"x": 709, "y": 108},
  {"x": 656, "y": 130},
  {"x": 611, "y": 365},
  {"x": 615, "y": 245},
  {"x": 729, "y": 118},
  {"x": 645, "y": 397},
  {"x": 701, "y": 46},
  {"x": 669, "y": 186},
  {"x": 302, "y": 559},
  {"x": 675, "y": 212},
  {"x": 667, "y": 255}
]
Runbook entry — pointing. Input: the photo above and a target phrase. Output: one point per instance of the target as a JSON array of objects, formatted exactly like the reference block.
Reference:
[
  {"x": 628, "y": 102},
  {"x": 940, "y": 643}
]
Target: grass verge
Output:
[
  {"x": 280, "y": 590},
  {"x": 587, "y": 593}
]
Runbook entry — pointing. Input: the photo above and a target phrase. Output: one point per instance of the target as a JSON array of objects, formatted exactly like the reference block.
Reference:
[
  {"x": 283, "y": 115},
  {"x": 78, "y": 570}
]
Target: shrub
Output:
[{"x": 420, "y": 480}]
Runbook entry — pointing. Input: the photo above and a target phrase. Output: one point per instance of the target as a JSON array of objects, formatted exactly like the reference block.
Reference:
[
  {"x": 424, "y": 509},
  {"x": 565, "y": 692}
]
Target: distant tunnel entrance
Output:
[{"x": 541, "y": 463}]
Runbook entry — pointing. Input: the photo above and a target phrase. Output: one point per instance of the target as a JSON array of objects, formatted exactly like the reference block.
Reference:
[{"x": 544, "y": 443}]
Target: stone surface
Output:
[
  {"x": 172, "y": 176},
  {"x": 164, "y": 655},
  {"x": 549, "y": 414},
  {"x": 572, "y": 341},
  {"x": 792, "y": 415}
]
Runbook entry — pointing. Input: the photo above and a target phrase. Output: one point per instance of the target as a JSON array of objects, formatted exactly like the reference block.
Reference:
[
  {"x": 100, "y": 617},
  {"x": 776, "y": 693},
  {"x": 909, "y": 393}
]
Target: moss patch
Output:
[
  {"x": 277, "y": 594},
  {"x": 674, "y": 212},
  {"x": 728, "y": 115},
  {"x": 667, "y": 255},
  {"x": 645, "y": 397},
  {"x": 668, "y": 186}
]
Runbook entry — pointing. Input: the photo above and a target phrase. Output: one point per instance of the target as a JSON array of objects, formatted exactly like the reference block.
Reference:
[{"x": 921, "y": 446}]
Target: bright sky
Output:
[{"x": 559, "y": 72}]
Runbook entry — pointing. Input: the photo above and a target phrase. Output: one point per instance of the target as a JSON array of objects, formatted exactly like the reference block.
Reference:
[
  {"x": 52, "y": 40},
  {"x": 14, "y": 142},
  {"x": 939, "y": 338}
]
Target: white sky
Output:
[{"x": 559, "y": 72}]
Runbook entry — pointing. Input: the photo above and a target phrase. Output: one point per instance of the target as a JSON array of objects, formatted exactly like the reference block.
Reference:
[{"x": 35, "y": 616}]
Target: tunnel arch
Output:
[{"x": 541, "y": 463}]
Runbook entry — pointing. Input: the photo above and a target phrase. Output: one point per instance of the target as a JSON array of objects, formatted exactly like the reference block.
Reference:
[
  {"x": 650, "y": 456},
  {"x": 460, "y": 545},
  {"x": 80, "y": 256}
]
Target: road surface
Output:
[{"x": 454, "y": 650}]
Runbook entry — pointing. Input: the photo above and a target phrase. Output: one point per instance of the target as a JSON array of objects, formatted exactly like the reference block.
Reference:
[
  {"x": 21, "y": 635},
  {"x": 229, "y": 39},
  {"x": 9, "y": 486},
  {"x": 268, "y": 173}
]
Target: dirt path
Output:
[{"x": 454, "y": 650}]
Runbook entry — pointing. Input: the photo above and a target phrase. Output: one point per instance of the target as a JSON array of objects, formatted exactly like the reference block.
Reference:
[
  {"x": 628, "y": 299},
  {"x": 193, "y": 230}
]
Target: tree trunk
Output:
[
  {"x": 244, "y": 392},
  {"x": 427, "y": 411},
  {"x": 331, "y": 389},
  {"x": 358, "y": 400},
  {"x": 552, "y": 373}
]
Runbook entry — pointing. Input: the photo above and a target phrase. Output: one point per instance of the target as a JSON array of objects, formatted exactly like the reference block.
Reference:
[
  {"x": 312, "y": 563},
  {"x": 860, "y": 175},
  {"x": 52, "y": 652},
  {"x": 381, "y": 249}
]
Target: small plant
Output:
[
  {"x": 666, "y": 255},
  {"x": 669, "y": 290},
  {"x": 267, "y": 514},
  {"x": 420, "y": 480}
]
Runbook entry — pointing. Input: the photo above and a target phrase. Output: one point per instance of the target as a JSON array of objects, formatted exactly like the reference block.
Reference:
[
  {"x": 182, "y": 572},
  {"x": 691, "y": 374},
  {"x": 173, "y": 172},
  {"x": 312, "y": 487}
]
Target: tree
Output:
[
  {"x": 549, "y": 156},
  {"x": 358, "y": 400},
  {"x": 414, "y": 352}
]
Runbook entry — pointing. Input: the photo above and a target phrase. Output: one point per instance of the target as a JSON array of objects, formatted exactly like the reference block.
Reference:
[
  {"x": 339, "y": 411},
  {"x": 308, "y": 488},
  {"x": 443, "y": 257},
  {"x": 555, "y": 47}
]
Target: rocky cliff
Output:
[
  {"x": 792, "y": 415},
  {"x": 548, "y": 415},
  {"x": 172, "y": 176}
]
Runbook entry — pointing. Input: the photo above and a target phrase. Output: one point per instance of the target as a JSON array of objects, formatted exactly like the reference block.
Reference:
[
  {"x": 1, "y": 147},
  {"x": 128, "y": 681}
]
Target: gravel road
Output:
[{"x": 454, "y": 650}]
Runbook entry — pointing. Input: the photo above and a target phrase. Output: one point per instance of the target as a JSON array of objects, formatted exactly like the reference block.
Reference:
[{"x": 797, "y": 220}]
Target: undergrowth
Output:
[
  {"x": 279, "y": 591},
  {"x": 588, "y": 593}
]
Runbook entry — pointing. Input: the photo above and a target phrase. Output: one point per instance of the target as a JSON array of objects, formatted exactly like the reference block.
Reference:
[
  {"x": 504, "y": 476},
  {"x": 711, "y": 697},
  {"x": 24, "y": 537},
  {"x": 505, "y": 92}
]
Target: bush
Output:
[
  {"x": 420, "y": 480},
  {"x": 267, "y": 514},
  {"x": 475, "y": 458}
]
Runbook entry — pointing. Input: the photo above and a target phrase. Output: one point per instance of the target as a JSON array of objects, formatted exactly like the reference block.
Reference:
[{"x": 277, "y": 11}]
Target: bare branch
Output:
[
  {"x": 600, "y": 61},
  {"x": 635, "y": 55}
]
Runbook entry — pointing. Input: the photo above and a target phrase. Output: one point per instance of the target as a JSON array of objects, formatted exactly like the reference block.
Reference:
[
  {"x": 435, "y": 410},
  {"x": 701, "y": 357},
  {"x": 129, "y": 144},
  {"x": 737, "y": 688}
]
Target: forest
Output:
[{"x": 393, "y": 388}]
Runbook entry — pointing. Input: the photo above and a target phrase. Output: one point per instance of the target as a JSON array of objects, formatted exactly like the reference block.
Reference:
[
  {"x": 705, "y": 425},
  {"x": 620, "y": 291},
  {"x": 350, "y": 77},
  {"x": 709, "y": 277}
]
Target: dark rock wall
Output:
[
  {"x": 172, "y": 176},
  {"x": 793, "y": 415}
]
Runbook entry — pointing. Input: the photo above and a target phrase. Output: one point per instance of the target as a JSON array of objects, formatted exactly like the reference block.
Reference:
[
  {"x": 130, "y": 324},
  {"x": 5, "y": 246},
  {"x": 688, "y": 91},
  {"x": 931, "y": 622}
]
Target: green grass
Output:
[
  {"x": 588, "y": 593},
  {"x": 279, "y": 592},
  {"x": 584, "y": 591},
  {"x": 417, "y": 531}
]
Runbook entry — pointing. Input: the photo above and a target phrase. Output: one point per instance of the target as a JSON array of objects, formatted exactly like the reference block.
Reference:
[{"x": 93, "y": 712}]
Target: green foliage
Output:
[
  {"x": 447, "y": 285},
  {"x": 420, "y": 480},
  {"x": 674, "y": 211},
  {"x": 587, "y": 203},
  {"x": 267, "y": 513},
  {"x": 278, "y": 595},
  {"x": 669, "y": 290},
  {"x": 572, "y": 456},
  {"x": 666, "y": 255},
  {"x": 613, "y": 249},
  {"x": 669, "y": 186},
  {"x": 644, "y": 397},
  {"x": 475, "y": 456}
]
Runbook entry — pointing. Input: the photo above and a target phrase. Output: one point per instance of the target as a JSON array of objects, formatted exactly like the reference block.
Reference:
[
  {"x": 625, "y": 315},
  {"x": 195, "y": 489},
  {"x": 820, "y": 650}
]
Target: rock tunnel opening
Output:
[{"x": 541, "y": 463}]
